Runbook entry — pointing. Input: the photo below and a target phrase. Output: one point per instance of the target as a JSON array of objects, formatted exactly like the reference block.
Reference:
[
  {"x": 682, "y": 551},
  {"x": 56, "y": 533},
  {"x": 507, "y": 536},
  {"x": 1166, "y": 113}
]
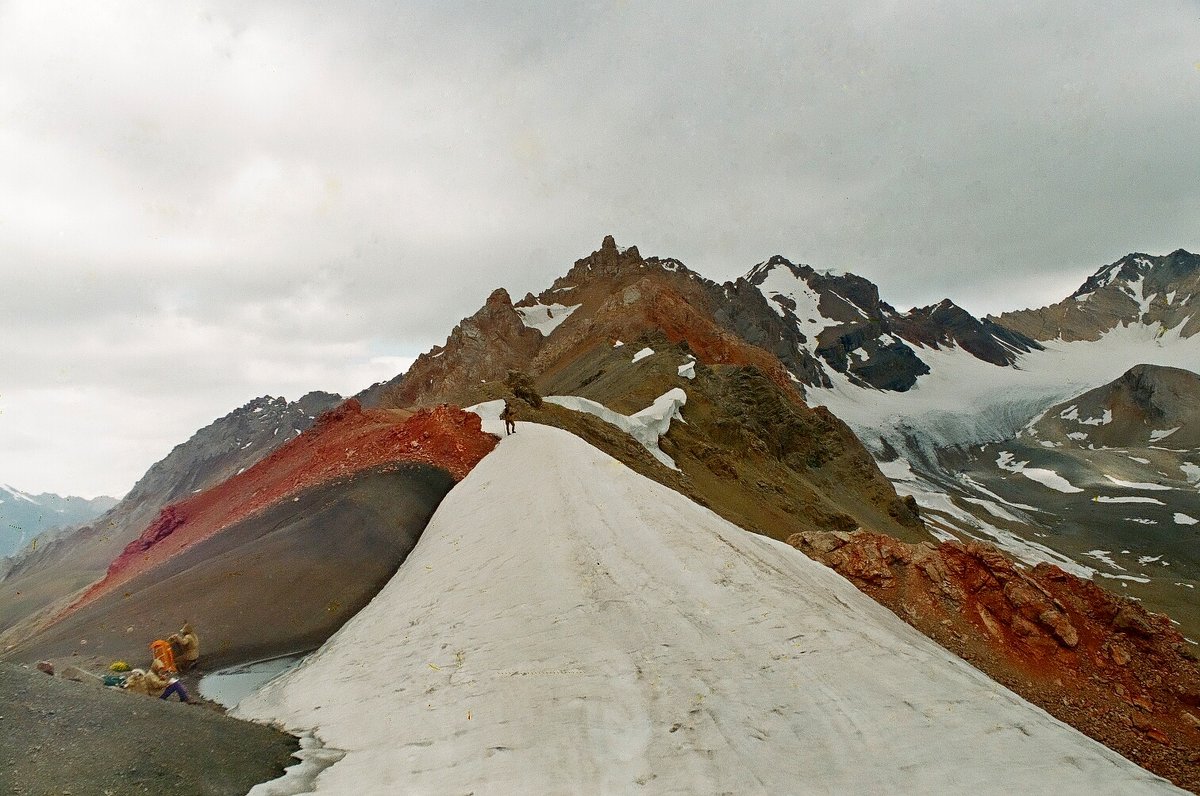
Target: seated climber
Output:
[{"x": 156, "y": 682}]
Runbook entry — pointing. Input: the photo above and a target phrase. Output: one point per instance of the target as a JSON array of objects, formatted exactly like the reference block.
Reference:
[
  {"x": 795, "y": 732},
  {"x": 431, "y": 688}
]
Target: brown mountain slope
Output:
[
  {"x": 1138, "y": 288},
  {"x": 1148, "y": 404},
  {"x": 50, "y": 576},
  {"x": 276, "y": 558}
]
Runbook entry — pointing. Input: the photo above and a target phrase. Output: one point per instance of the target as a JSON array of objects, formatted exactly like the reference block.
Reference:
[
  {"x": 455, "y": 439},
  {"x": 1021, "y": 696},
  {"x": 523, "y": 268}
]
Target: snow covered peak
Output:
[
  {"x": 1135, "y": 273},
  {"x": 17, "y": 494}
]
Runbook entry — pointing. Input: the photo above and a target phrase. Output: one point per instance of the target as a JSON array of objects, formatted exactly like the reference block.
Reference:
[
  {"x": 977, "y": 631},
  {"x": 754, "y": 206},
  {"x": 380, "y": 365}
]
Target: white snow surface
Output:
[
  {"x": 545, "y": 317},
  {"x": 1156, "y": 436},
  {"x": 640, "y": 355},
  {"x": 565, "y": 625},
  {"x": 1136, "y": 485},
  {"x": 780, "y": 282},
  {"x": 1137, "y": 499},
  {"x": 1183, "y": 519},
  {"x": 1045, "y": 477},
  {"x": 645, "y": 426},
  {"x": 688, "y": 369}
]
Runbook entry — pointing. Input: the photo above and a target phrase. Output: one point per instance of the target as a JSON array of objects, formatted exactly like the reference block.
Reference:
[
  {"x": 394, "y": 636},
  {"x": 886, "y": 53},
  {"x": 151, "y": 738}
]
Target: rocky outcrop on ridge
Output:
[
  {"x": 1097, "y": 661},
  {"x": 482, "y": 347},
  {"x": 1138, "y": 288}
]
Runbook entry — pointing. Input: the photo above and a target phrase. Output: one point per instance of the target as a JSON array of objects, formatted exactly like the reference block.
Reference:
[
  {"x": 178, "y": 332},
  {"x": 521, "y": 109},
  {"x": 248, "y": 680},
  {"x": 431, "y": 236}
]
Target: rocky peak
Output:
[
  {"x": 1145, "y": 405},
  {"x": 1137, "y": 289},
  {"x": 609, "y": 260},
  {"x": 482, "y": 347},
  {"x": 947, "y": 324},
  {"x": 233, "y": 442},
  {"x": 1155, "y": 274}
]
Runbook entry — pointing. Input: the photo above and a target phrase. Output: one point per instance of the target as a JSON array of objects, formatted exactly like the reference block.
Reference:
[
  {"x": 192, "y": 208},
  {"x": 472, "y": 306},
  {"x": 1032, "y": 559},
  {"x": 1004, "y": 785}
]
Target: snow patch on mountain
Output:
[
  {"x": 597, "y": 632},
  {"x": 1136, "y": 485},
  {"x": 1045, "y": 477},
  {"x": 640, "y": 355},
  {"x": 943, "y": 515},
  {"x": 545, "y": 317},
  {"x": 646, "y": 426},
  {"x": 18, "y": 494}
]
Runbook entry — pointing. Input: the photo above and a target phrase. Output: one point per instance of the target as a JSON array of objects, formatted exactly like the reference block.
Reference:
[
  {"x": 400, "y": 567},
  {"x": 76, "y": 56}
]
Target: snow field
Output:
[
  {"x": 964, "y": 400},
  {"x": 545, "y": 317},
  {"x": 565, "y": 625}
]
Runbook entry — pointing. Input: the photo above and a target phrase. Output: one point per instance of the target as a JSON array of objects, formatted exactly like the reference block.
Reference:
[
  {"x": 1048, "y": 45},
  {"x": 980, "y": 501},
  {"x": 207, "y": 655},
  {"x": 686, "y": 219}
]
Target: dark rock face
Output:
[
  {"x": 863, "y": 337},
  {"x": 947, "y": 324},
  {"x": 745, "y": 312},
  {"x": 877, "y": 362}
]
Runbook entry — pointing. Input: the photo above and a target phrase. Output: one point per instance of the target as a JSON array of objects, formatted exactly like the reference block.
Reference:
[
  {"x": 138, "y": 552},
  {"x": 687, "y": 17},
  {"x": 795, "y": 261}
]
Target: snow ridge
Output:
[{"x": 566, "y": 625}]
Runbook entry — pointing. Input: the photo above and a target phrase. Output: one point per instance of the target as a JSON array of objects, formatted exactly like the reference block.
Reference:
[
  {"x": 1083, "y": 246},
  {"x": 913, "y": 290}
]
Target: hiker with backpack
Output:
[
  {"x": 509, "y": 416},
  {"x": 189, "y": 647}
]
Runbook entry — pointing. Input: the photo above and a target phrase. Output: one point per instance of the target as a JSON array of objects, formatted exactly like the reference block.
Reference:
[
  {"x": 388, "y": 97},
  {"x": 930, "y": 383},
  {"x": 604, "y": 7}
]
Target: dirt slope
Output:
[{"x": 62, "y": 737}]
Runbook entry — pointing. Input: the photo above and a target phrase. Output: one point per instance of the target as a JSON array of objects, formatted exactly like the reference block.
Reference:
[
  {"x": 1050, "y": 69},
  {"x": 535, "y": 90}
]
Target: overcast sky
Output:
[{"x": 204, "y": 202}]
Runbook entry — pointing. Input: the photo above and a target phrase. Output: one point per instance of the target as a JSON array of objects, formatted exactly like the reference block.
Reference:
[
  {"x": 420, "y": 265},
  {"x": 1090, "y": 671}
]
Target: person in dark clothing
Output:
[{"x": 509, "y": 416}]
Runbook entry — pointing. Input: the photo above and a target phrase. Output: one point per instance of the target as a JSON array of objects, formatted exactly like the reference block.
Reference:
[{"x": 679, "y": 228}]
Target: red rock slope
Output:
[
  {"x": 344, "y": 440},
  {"x": 1097, "y": 661}
]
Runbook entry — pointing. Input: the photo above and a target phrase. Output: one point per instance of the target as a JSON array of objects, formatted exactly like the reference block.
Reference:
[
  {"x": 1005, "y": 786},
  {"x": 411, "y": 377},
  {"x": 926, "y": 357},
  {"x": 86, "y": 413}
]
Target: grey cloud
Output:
[{"x": 299, "y": 182}]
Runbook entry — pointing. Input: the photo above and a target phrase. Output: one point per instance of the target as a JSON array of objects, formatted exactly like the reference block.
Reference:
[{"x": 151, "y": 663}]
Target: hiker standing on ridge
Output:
[
  {"x": 509, "y": 416},
  {"x": 189, "y": 646}
]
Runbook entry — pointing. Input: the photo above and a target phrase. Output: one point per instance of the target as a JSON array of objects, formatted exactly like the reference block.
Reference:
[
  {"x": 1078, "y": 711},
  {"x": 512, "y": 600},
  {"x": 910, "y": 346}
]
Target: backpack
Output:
[{"x": 163, "y": 653}]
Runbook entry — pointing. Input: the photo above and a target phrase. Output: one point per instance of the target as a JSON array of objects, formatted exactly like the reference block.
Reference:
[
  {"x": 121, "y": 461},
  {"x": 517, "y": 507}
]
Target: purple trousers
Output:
[{"x": 177, "y": 689}]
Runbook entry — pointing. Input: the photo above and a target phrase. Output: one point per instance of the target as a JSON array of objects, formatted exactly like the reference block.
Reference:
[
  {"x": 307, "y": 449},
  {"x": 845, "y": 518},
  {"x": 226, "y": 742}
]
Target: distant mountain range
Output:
[
  {"x": 24, "y": 516},
  {"x": 906, "y": 449}
]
